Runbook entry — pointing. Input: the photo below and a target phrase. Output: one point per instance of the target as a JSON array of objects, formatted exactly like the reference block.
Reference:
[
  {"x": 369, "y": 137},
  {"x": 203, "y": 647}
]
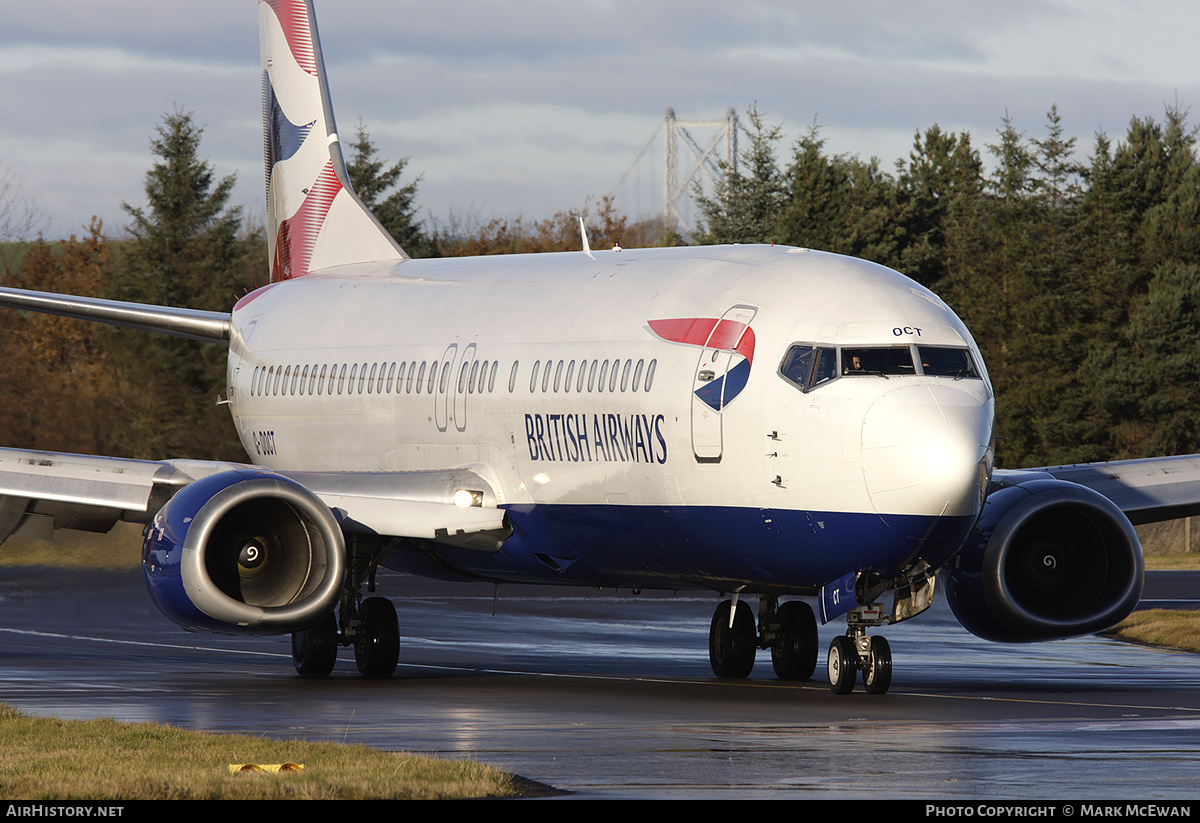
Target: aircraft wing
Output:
[
  {"x": 41, "y": 492},
  {"x": 1149, "y": 490}
]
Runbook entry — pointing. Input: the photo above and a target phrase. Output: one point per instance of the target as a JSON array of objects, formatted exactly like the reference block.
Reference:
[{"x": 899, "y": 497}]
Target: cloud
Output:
[{"x": 532, "y": 105}]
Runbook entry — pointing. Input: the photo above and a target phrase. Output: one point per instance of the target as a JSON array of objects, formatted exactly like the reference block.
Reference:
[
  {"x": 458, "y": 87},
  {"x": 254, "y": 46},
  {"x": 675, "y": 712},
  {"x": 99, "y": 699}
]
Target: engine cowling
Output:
[
  {"x": 1047, "y": 560},
  {"x": 244, "y": 552}
]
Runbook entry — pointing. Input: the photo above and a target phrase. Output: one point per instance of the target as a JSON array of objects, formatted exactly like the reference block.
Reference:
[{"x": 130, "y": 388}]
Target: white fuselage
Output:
[{"x": 496, "y": 363}]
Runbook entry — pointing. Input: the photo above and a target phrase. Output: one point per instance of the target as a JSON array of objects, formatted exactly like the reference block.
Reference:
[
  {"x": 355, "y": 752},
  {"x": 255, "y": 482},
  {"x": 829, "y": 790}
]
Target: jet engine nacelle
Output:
[
  {"x": 1048, "y": 559},
  {"x": 244, "y": 552}
]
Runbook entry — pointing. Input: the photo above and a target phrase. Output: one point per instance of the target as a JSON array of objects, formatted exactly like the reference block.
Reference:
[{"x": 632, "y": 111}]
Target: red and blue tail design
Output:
[
  {"x": 712, "y": 333},
  {"x": 314, "y": 219}
]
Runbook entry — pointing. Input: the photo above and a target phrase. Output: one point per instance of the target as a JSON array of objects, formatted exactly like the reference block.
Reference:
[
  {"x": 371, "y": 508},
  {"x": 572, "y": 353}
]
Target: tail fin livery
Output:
[{"x": 314, "y": 219}]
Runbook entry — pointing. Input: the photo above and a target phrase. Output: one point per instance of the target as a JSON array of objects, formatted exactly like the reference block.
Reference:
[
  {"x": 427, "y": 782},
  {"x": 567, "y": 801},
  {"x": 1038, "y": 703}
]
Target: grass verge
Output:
[
  {"x": 1175, "y": 562},
  {"x": 50, "y": 759},
  {"x": 1173, "y": 628}
]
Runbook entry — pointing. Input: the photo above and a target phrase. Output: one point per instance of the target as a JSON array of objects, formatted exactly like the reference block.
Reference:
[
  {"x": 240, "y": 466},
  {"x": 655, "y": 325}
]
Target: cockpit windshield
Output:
[
  {"x": 944, "y": 361},
  {"x": 881, "y": 362},
  {"x": 809, "y": 366}
]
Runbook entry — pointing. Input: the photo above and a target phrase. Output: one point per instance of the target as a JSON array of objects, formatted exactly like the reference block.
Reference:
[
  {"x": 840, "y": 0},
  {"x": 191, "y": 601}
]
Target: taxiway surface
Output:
[{"x": 610, "y": 695}]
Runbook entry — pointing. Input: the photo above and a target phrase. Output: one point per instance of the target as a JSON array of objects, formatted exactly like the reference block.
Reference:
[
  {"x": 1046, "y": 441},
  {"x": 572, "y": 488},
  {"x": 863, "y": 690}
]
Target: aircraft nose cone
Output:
[{"x": 925, "y": 450}]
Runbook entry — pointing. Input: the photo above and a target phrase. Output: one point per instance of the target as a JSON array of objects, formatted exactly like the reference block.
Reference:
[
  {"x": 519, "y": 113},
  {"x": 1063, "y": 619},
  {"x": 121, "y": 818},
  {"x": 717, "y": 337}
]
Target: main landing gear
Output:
[
  {"x": 368, "y": 624},
  {"x": 789, "y": 630}
]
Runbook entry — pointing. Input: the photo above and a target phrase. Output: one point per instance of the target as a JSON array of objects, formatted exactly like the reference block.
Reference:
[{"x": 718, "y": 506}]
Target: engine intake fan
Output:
[
  {"x": 1048, "y": 559},
  {"x": 244, "y": 552}
]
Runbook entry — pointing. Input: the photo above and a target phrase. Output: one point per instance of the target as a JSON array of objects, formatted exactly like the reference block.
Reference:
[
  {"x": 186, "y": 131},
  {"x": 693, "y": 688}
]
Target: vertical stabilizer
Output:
[{"x": 314, "y": 219}]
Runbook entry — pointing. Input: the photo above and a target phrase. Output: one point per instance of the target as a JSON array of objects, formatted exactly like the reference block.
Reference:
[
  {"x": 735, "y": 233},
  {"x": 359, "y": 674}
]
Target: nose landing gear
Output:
[{"x": 854, "y": 652}]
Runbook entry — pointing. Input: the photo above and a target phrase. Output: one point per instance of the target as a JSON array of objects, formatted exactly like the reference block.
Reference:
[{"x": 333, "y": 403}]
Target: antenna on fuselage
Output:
[{"x": 587, "y": 248}]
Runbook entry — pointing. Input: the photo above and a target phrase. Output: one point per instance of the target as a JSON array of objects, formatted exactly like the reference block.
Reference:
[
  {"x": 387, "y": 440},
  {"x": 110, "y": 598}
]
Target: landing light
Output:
[{"x": 465, "y": 498}]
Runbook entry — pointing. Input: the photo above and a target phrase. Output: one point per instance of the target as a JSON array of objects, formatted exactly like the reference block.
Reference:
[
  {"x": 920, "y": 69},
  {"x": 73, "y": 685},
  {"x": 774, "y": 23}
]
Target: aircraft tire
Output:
[
  {"x": 731, "y": 650},
  {"x": 314, "y": 650},
  {"x": 842, "y": 665},
  {"x": 377, "y": 648},
  {"x": 877, "y": 673},
  {"x": 794, "y": 651}
]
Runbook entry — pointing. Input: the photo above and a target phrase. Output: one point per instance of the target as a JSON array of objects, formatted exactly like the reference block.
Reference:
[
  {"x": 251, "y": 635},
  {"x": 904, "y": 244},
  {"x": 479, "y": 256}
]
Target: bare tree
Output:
[{"x": 20, "y": 219}]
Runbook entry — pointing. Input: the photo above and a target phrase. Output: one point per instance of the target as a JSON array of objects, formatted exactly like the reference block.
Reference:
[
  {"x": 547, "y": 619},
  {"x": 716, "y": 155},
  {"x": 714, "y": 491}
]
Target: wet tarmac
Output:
[{"x": 610, "y": 695}]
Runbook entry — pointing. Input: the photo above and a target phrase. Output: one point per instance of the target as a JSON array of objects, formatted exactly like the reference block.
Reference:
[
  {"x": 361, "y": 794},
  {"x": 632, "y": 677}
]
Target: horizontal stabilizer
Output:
[{"x": 194, "y": 324}]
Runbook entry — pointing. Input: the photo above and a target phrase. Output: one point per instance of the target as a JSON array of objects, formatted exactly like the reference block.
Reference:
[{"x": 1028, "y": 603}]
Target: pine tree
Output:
[
  {"x": 840, "y": 204},
  {"x": 746, "y": 204},
  {"x": 1147, "y": 381},
  {"x": 378, "y": 187},
  {"x": 942, "y": 176},
  {"x": 1138, "y": 234},
  {"x": 185, "y": 250}
]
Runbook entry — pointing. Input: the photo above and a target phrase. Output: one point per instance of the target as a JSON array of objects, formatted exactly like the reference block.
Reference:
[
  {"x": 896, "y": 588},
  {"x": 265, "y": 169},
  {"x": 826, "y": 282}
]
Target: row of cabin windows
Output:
[
  {"x": 476, "y": 376},
  {"x": 369, "y": 378},
  {"x": 593, "y": 374}
]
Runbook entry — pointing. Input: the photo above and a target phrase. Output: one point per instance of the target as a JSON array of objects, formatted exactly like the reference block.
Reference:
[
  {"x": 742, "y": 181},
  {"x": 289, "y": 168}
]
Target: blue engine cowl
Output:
[
  {"x": 244, "y": 552},
  {"x": 1048, "y": 559}
]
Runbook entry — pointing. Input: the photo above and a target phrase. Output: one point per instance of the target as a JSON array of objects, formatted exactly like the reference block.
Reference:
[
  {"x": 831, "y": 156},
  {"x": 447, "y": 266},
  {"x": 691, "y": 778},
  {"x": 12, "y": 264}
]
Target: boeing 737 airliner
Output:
[{"x": 766, "y": 422}]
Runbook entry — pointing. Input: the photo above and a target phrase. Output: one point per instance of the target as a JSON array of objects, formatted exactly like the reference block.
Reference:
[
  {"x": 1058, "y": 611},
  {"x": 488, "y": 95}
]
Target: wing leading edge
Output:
[
  {"x": 1148, "y": 490},
  {"x": 41, "y": 492}
]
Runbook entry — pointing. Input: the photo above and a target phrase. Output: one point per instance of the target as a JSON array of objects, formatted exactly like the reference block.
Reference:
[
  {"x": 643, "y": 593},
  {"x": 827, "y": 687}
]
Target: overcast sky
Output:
[{"x": 525, "y": 108}]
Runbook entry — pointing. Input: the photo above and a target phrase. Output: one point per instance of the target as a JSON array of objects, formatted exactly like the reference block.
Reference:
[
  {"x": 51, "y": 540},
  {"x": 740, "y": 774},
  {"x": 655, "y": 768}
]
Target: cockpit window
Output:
[
  {"x": 943, "y": 361},
  {"x": 809, "y": 366},
  {"x": 878, "y": 361}
]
